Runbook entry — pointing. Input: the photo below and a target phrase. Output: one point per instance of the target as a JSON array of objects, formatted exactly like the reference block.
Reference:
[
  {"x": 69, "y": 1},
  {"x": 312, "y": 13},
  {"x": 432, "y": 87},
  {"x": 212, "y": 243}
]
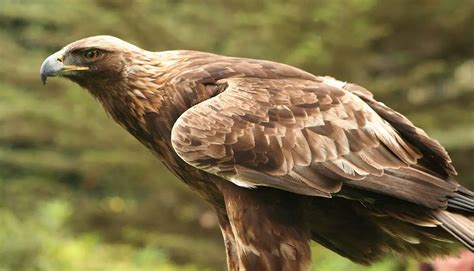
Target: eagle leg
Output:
[
  {"x": 229, "y": 241},
  {"x": 267, "y": 229}
]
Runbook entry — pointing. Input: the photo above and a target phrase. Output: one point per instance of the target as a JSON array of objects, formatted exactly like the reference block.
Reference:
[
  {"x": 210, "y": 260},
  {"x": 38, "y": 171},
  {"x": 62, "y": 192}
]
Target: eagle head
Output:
[{"x": 91, "y": 62}]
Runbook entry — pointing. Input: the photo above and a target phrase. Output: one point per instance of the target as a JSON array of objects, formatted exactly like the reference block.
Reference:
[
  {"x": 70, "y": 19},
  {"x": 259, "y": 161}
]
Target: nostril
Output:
[{"x": 60, "y": 58}]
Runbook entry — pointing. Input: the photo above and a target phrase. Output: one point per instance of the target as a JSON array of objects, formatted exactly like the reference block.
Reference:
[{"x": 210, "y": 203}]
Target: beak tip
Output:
[
  {"x": 43, "y": 78},
  {"x": 53, "y": 66},
  {"x": 49, "y": 67}
]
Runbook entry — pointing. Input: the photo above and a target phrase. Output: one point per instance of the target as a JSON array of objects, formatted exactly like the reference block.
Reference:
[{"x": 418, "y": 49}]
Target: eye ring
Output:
[{"x": 92, "y": 55}]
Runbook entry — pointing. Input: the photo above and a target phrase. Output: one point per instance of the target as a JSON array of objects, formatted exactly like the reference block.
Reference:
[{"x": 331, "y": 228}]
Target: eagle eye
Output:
[{"x": 92, "y": 55}]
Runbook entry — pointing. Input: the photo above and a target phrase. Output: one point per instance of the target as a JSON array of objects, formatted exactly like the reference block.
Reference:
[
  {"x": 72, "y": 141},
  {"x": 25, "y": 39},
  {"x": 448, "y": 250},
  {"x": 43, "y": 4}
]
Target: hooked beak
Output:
[{"x": 54, "y": 66}]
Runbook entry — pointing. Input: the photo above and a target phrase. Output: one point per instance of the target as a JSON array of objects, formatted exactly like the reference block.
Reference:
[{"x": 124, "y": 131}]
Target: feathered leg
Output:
[
  {"x": 268, "y": 229},
  {"x": 229, "y": 241}
]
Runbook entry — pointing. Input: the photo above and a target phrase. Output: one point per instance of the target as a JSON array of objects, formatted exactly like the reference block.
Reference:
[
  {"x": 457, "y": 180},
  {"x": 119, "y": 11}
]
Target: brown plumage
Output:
[{"x": 284, "y": 156}]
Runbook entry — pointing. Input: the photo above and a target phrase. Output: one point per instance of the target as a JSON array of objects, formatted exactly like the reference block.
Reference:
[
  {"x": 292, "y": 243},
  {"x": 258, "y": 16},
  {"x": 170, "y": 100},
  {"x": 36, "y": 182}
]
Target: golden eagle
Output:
[{"x": 284, "y": 156}]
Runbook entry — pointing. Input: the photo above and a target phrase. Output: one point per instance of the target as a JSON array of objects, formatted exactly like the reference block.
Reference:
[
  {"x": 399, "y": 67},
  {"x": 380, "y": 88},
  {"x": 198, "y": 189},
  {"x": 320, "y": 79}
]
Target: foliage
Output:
[
  {"x": 77, "y": 192},
  {"x": 48, "y": 246}
]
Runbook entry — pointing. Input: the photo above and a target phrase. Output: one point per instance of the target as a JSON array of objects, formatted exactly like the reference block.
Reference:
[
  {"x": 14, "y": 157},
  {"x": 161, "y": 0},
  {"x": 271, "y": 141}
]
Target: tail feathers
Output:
[
  {"x": 466, "y": 191},
  {"x": 462, "y": 200},
  {"x": 459, "y": 226}
]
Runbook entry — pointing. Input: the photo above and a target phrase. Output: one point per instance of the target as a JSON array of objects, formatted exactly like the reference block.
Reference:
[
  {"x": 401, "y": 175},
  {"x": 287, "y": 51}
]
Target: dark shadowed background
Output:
[{"x": 78, "y": 193}]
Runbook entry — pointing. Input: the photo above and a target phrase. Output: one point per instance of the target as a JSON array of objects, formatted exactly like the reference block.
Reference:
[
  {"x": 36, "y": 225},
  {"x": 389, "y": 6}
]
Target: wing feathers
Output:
[
  {"x": 297, "y": 134},
  {"x": 434, "y": 155}
]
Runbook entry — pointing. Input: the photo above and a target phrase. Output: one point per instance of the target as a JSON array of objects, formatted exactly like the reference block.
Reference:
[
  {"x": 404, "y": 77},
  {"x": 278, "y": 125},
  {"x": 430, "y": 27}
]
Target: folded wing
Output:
[{"x": 307, "y": 137}]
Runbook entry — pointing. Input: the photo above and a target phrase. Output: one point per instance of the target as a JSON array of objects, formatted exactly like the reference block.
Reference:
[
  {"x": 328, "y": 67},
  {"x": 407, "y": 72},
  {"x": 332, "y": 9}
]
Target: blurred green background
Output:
[{"x": 78, "y": 193}]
